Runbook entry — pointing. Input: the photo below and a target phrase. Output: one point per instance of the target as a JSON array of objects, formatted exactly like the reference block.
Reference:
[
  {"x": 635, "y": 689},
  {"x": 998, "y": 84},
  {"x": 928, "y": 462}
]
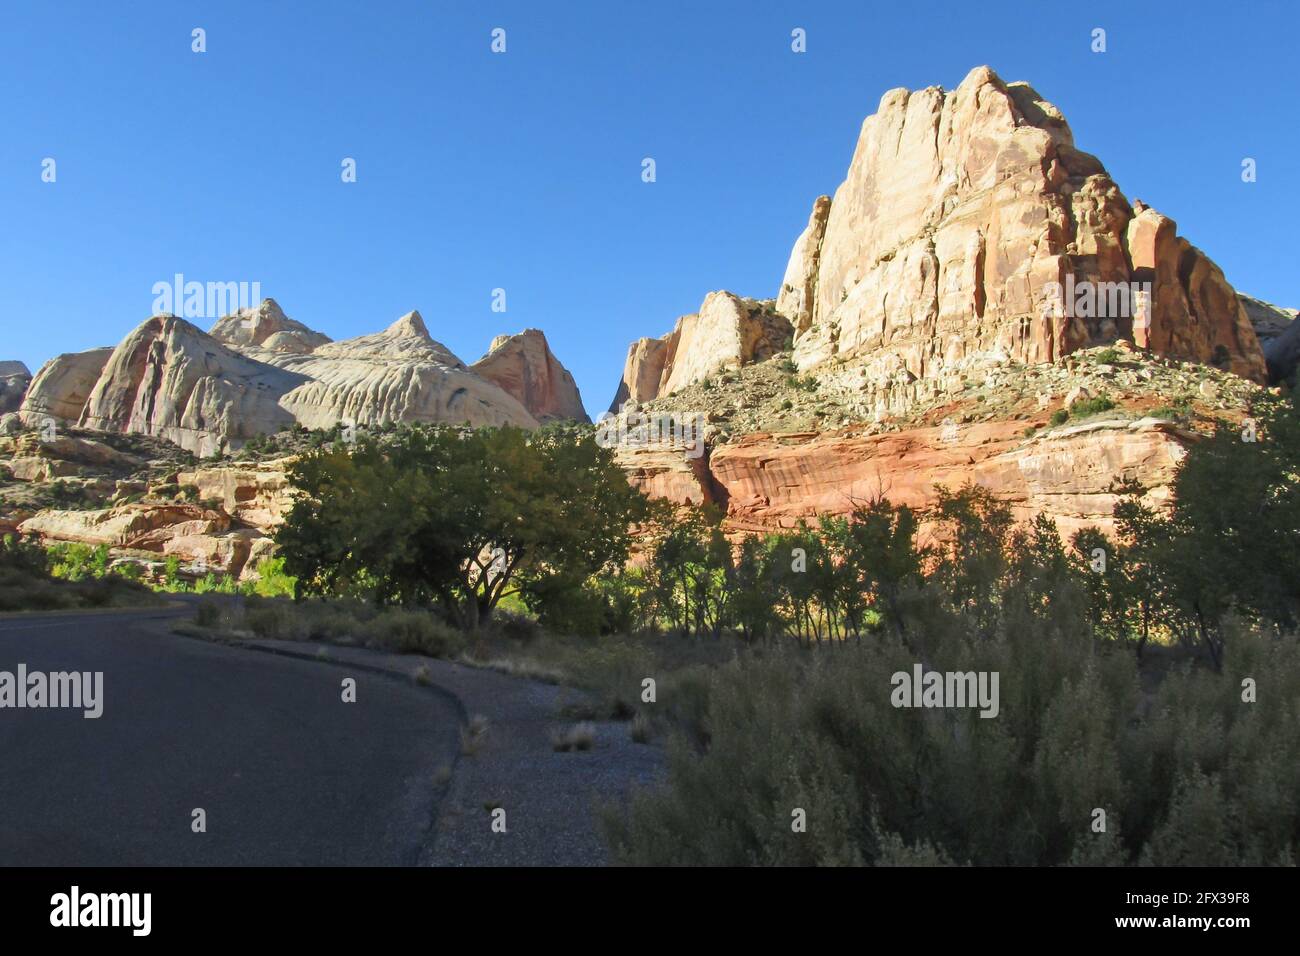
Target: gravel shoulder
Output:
[{"x": 550, "y": 798}]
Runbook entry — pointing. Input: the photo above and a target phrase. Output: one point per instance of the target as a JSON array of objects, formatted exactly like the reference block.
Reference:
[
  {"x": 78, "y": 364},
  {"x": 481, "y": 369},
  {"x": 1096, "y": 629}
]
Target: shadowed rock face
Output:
[
  {"x": 14, "y": 379},
  {"x": 258, "y": 373},
  {"x": 1279, "y": 335},
  {"x": 525, "y": 368}
]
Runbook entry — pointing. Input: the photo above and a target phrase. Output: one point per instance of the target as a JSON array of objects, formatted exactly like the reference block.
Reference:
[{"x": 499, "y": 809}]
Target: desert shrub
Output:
[
  {"x": 1171, "y": 412},
  {"x": 578, "y": 737},
  {"x": 415, "y": 632},
  {"x": 1192, "y": 775},
  {"x": 275, "y": 620},
  {"x": 207, "y": 614},
  {"x": 1059, "y": 417},
  {"x": 24, "y": 592},
  {"x": 519, "y": 628},
  {"x": 1091, "y": 406},
  {"x": 27, "y": 584},
  {"x": 272, "y": 581},
  {"x": 78, "y": 562},
  {"x": 24, "y": 557},
  {"x": 1107, "y": 356}
]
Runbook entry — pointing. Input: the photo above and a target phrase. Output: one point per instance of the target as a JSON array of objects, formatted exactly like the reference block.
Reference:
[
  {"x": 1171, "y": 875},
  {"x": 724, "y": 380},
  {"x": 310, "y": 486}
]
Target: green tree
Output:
[{"x": 456, "y": 517}]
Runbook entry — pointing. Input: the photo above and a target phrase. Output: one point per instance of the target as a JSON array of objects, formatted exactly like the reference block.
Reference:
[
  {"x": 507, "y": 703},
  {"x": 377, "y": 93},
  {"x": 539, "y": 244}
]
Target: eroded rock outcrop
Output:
[
  {"x": 971, "y": 250},
  {"x": 145, "y": 527},
  {"x": 726, "y": 332},
  {"x": 799, "y": 287},
  {"x": 256, "y": 494},
  {"x": 969, "y": 225},
  {"x": 642, "y": 372},
  {"x": 524, "y": 366}
]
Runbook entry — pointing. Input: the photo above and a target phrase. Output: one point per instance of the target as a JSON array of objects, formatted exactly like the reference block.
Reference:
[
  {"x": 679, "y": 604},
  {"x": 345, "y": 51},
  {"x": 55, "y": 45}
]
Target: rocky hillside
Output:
[
  {"x": 258, "y": 372},
  {"x": 146, "y": 499},
  {"x": 978, "y": 301}
]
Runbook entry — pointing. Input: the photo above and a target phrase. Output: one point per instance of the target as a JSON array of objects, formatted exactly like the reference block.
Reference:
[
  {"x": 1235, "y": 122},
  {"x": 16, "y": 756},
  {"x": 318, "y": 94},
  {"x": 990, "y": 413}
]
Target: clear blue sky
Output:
[{"x": 523, "y": 170}]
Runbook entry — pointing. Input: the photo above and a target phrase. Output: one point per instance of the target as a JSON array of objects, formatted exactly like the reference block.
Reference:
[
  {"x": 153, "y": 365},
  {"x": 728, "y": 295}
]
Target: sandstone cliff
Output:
[
  {"x": 969, "y": 225},
  {"x": 525, "y": 368},
  {"x": 766, "y": 481},
  {"x": 964, "y": 216},
  {"x": 974, "y": 274}
]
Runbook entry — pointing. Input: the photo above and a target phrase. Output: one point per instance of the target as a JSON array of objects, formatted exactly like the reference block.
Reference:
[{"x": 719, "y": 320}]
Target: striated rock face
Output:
[
  {"x": 400, "y": 374},
  {"x": 767, "y": 482},
  {"x": 525, "y": 368},
  {"x": 267, "y": 327},
  {"x": 727, "y": 332},
  {"x": 260, "y": 372},
  {"x": 14, "y": 379},
  {"x": 202, "y": 538},
  {"x": 62, "y": 386},
  {"x": 962, "y": 218},
  {"x": 229, "y": 531},
  {"x": 170, "y": 379},
  {"x": 66, "y": 450}
]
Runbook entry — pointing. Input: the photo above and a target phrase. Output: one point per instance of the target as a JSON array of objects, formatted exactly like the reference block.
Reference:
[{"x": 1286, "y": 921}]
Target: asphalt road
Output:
[{"x": 287, "y": 773}]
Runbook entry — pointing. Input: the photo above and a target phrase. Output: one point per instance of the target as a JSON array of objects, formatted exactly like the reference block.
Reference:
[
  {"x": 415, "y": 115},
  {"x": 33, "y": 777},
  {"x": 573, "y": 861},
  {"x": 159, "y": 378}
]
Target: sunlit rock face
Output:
[
  {"x": 725, "y": 333},
  {"x": 964, "y": 216},
  {"x": 524, "y": 366}
]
